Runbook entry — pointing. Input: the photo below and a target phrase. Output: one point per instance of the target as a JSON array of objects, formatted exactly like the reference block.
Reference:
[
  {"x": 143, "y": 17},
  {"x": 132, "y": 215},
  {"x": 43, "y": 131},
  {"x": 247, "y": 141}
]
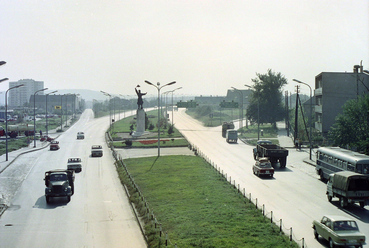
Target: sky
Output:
[{"x": 206, "y": 46}]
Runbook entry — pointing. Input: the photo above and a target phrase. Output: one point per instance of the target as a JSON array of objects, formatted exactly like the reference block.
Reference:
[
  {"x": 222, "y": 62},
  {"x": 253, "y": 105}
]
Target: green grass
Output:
[
  {"x": 197, "y": 207},
  {"x": 164, "y": 142},
  {"x": 14, "y": 144}
]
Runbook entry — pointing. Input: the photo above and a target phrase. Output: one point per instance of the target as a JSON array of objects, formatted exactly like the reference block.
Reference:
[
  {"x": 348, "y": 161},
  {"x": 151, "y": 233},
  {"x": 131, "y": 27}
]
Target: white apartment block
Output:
[{"x": 19, "y": 96}]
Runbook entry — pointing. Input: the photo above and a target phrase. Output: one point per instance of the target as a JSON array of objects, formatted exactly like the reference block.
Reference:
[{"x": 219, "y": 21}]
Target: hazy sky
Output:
[{"x": 206, "y": 46}]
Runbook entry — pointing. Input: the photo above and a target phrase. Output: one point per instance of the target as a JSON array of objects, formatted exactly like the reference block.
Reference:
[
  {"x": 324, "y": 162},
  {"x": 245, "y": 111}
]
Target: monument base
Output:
[{"x": 140, "y": 121}]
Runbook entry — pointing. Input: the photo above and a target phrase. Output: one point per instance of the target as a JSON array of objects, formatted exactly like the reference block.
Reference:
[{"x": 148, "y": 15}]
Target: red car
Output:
[
  {"x": 54, "y": 145},
  {"x": 263, "y": 167}
]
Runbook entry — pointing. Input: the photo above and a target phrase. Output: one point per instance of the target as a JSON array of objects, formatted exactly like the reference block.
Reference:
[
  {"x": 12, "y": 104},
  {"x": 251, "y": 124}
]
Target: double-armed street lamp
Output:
[
  {"x": 172, "y": 103},
  {"x": 311, "y": 113},
  {"x": 34, "y": 116},
  {"x": 158, "y": 87},
  {"x": 6, "y": 118},
  {"x": 47, "y": 127},
  {"x": 258, "y": 111},
  {"x": 241, "y": 105}
]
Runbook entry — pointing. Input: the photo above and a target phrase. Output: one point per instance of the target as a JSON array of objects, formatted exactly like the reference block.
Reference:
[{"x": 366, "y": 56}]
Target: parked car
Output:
[
  {"x": 46, "y": 138},
  {"x": 96, "y": 151},
  {"x": 54, "y": 145},
  {"x": 263, "y": 167},
  {"x": 80, "y": 135},
  {"x": 338, "y": 231}
]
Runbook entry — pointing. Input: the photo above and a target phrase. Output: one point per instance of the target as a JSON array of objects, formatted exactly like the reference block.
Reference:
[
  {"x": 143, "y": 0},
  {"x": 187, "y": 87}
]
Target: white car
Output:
[{"x": 80, "y": 135}]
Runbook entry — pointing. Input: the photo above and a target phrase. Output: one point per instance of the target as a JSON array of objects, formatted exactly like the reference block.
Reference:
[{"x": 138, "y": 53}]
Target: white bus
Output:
[{"x": 333, "y": 159}]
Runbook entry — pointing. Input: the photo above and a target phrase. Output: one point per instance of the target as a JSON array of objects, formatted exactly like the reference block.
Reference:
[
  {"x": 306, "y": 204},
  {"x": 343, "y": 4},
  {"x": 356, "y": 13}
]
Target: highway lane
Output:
[
  {"x": 99, "y": 213},
  {"x": 295, "y": 194}
]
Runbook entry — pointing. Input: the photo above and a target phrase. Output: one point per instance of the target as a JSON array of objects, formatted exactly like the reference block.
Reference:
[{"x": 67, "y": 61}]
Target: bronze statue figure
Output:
[{"x": 139, "y": 100}]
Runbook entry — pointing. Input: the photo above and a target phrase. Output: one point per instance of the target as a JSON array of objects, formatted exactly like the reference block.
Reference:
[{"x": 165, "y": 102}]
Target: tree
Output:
[
  {"x": 352, "y": 126},
  {"x": 267, "y": 98}
]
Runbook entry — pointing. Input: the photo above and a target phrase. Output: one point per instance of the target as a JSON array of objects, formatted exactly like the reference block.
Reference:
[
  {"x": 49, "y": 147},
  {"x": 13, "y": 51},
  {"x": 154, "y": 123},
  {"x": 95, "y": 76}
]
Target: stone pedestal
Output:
[{"x": 140, "y": 121}]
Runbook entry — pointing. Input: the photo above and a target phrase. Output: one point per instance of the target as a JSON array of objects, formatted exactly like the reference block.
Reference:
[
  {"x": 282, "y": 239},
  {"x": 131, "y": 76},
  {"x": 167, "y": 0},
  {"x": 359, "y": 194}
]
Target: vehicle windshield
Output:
[
  {"x": 345, "y": 225},
  {"x": 58, "y": 177}
]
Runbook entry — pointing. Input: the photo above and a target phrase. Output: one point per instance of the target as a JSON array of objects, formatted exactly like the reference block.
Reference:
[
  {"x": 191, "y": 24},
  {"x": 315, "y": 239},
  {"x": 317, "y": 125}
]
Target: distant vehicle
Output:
[
  {"x": 54, "y": 145},
  {"x": 46, "y": 138},
  {"x": 339, "y": 231},
  {"x": 59, "y": 183},
  {"x": 80, "y": 135},
  {"x": 263, "y": 167},
  {"x": 74, "y": 164},
  {"x": 275, "y": 153},
  {"x": 333, "y": 159},
  {"x": 96, "y": 151},
  {"x": 349, "y": 187},
  {"x": 231, "y": 136},
  {"x": 225, "y": 127},
  {"x": 19, "y": 129}
]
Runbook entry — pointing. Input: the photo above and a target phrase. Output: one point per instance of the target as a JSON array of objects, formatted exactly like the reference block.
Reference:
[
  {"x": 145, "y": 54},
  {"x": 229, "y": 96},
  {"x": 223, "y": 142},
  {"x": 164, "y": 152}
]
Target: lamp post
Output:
[
  {"x": 258, "y": 112},
  {"x": 241, "y": 106},
  {"x": 47, "y": 133},
  {"x": 172, "y": 103},
  {"x": 6, "y": 119},
  {"x": 311, "y": 112},
  {"x": 34, "y": 116},
  {"x": 107, "y": 94},
  {"x": 157, "y": 86}
]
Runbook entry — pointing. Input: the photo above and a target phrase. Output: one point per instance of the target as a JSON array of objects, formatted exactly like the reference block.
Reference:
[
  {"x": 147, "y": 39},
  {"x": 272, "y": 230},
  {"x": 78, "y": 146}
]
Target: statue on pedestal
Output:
[{"x": 139, "y": 100}]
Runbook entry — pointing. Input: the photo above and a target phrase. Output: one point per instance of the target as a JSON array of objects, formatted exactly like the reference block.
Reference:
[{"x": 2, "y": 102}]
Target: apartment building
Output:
[
  {"x": 19, "y": 96},
  {"x": 333, "y": 90}
]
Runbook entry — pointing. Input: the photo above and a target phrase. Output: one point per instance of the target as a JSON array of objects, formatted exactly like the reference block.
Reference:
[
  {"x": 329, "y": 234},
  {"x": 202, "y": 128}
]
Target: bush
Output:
[{"x": 128, "y": 142}]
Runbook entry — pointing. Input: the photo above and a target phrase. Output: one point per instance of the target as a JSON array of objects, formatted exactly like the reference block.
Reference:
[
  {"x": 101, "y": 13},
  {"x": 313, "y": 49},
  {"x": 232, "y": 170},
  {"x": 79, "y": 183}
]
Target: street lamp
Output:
[
  {"x": 6, "y": 119},
  {"x": 4, "y": 79},
  {"x": 107, "y": 94},
  {"x": 172, "y": 103},
  {"x": 34, "y": 116},
  {"x": 157, "y": 86},
  {"x": 258, "y": 112},
  {"x": 311, "y": 111},
  {"x": 241, "y": 102},
  {"x": 47, "y": 133}
]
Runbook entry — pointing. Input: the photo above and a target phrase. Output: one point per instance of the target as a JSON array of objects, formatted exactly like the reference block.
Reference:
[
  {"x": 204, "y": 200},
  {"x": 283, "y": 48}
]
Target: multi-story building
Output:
[
  {"x": 333, "y": 90},
  {"x": 19, "y": 96}
]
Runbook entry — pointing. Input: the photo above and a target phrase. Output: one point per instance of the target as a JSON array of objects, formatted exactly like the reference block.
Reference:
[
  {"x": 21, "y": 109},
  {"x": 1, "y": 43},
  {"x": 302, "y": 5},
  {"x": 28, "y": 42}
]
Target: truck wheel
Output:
[
  {"x": 47, "y": 199},
  {"x": 343, "y": 202},
  {"x": 316, "y": 235},
  {"x": 321, "y": 174},
  {"x": 282, "y": 162},
  {"x": 329, "y": 198},
  {"x": 331, "y": 244},
  {"x": 68, "y": 198}
]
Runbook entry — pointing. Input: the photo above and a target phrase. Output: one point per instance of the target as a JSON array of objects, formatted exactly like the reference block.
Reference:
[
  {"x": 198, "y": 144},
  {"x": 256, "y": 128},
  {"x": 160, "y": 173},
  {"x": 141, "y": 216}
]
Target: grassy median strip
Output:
[{"x": 197, "y": 207}]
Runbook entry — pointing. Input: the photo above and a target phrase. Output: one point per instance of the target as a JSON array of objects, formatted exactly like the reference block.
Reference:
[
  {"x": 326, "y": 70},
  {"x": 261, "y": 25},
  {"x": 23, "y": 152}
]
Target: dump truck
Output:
[
  {"x": 349, "y": 187},
  {"x": 59, "y": 183},
  {"x": 225, "y": 127},
  {"x": 275, "y": 153},
  {"x": 231, "y": 136}
]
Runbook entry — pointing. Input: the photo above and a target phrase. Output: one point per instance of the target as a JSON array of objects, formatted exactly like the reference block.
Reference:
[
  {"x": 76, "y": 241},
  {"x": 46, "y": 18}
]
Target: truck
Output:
[
  {"x": 275, "y": 153},
  {"x": 59, "y": 183},
  {"x": 231, "y": 136},
  {"x": 19, "y": 129},
  {"x": 74, "y": 164},
  {"x": 225, "y": 127},
  {"x": 349, "y": 187}
]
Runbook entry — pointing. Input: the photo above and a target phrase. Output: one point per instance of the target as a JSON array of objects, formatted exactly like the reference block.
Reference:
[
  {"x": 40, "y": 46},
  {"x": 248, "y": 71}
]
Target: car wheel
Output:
[
  {"x": 316, "y": 235},
  {"x": 359, "y": 246},
  {"x": 331, "y": 244},
  {"x": 48, "y": 199},
  {"x": 343, "y": 202}
]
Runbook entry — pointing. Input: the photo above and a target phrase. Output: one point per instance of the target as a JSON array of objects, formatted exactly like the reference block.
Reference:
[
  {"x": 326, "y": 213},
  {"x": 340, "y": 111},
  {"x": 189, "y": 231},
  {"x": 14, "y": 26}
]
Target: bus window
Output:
[
  {"x": 350, "y": 167},
  {"x": 344, "y": 165}
]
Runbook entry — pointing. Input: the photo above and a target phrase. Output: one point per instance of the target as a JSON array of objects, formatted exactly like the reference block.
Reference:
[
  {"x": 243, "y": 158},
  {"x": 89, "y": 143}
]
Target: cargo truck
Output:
[
  {"x": 225, "y": 127},
  {"x": 275, "y": 153},
  {"x": 349, "y": 187},
  {"x": 59, "y": 183}
]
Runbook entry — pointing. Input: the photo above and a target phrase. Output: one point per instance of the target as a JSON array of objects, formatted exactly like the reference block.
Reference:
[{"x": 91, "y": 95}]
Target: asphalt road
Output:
[
  {"x": 99, "y": 213},
  {"x": 295, "y": 194}
]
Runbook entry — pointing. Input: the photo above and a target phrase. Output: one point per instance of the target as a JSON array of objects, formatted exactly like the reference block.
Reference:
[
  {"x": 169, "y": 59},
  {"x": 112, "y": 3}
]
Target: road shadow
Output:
[
  {"x": 354, "y": 210},
  {"x": 55, "y": 202}
]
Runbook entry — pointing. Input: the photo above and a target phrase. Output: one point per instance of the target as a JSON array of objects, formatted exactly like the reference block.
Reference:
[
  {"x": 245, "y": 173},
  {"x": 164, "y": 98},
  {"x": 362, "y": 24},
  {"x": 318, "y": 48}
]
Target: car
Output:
[
  {"x": 96, "y": 151},
  {"x": 263, "y": 167},
  {"x": 338, "y": 231},
  {"x": 46, "y": 138},
  {"x": 54, "y": 145},
  {"x": 80, "y": 135},
  {"x": 74, "y": 164}
]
